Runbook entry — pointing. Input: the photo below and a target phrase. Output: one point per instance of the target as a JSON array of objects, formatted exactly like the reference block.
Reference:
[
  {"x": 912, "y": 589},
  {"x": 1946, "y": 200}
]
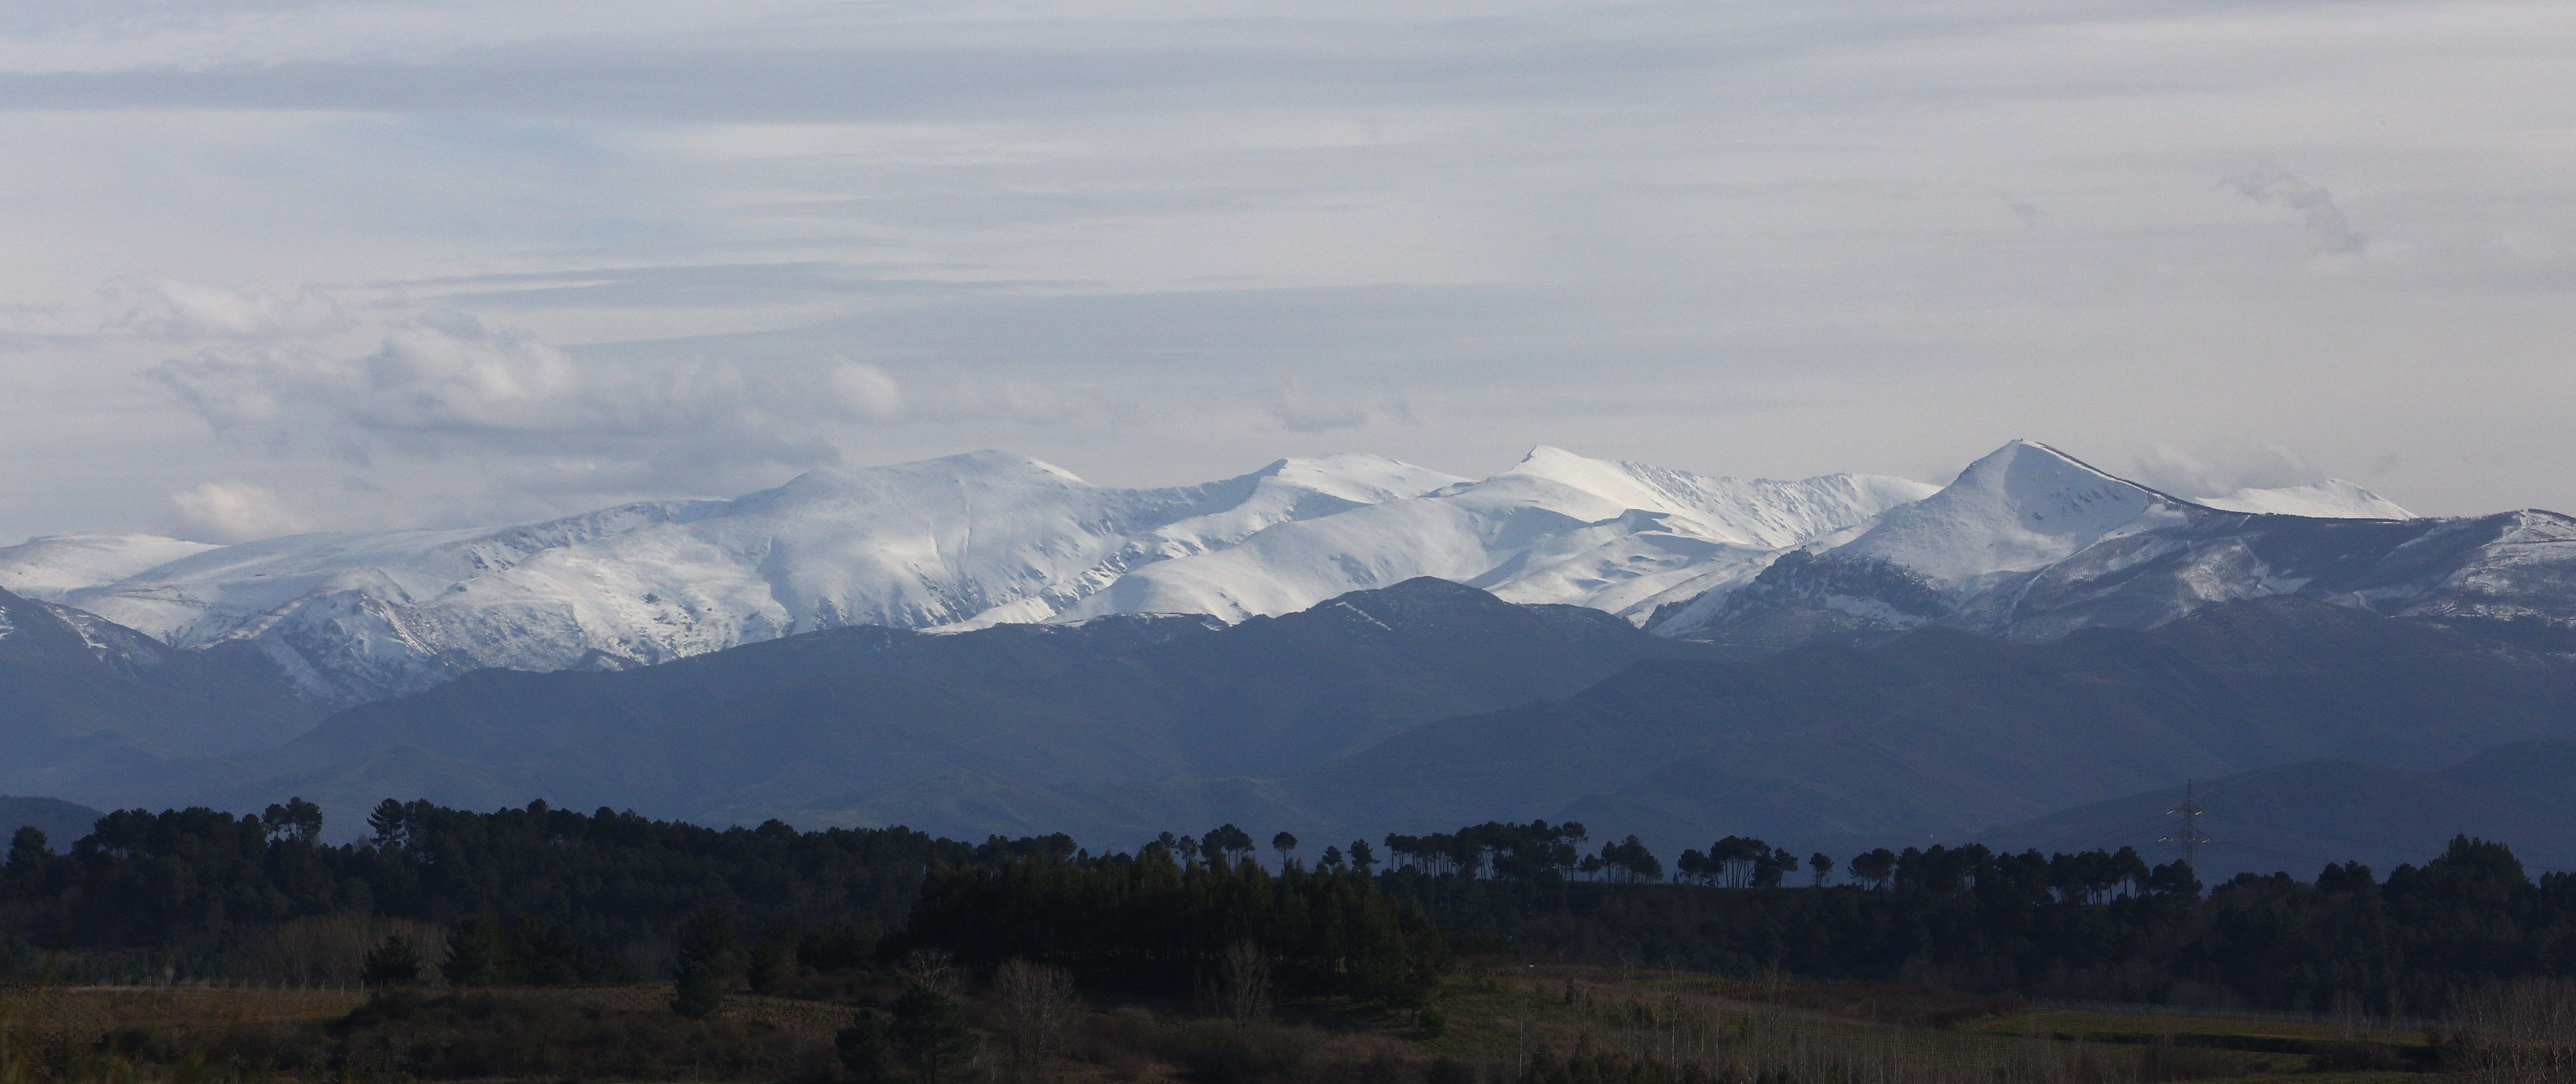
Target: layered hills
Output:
[
  {"x": 1430, "y": 703},
  {"x": 82, "y": 698}
]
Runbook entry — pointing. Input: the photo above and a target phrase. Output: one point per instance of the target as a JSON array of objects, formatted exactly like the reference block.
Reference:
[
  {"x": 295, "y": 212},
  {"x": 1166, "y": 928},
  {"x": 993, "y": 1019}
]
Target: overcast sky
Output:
[{"x": 315, "y": 265}]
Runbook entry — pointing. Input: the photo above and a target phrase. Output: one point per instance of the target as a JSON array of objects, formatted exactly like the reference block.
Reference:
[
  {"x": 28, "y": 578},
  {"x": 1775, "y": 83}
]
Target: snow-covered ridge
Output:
[
  {"x": 51, "y": 566},
  {"x": 2333, "y": 498},
  {"x": 1557, "y": 527},
  {"x": 2032, "y": 543},
  {"x": 989, "y": 537},
  {"x": 358, "y": 616}
]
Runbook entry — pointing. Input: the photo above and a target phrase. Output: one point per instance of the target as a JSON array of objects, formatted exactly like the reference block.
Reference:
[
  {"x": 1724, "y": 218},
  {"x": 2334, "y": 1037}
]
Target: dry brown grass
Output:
[
  {"x": 1498, "y": 1016},
  {"x": 1854, "y": 1033}
]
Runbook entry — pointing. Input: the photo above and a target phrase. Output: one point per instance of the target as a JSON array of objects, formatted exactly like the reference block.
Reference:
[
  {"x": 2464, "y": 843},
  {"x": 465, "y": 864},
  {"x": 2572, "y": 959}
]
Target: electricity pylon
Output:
[{"x": 2190, "y": 836}]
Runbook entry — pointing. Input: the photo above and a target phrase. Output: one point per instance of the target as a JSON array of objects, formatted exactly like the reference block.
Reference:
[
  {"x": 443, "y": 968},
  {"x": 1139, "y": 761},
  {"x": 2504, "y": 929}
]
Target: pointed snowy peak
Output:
[
  {"x": 2028, "y": 472},
  {"x": 2333, "y": 498},
  {"x": 2021, "y": 507}
]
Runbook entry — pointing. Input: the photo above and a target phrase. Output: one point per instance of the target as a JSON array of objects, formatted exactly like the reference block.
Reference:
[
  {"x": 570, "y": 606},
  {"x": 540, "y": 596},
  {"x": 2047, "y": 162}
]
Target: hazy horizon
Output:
[{"x": 314, "y": 264}]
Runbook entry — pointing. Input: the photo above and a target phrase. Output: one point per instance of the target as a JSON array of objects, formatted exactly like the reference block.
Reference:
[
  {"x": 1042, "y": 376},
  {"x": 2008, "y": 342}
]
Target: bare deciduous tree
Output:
[
  {"x": 1033, "y": 1005},
  {"x": 927, "y": 967},
  {"x": 2521, "y": 1032},
  {"x": 1239, "y": 988}
]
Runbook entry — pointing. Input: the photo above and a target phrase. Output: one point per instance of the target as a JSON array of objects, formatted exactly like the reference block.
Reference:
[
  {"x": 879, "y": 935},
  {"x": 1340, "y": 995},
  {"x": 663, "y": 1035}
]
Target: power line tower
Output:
[{"x": 2190, "y": 835}]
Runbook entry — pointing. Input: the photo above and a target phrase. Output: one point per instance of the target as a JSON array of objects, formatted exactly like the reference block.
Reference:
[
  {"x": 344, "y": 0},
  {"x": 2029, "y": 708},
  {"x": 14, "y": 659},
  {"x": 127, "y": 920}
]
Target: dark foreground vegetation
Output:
[
  {"x": 537, "y": 943},
  {"x": 2100, "y": 926}
]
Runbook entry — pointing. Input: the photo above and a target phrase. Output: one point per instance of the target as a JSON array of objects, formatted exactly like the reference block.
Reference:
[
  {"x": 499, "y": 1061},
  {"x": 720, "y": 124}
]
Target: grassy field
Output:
[
  {"x": 1503, "y": 1013},
  {"x": 1493, "y": 1022}
]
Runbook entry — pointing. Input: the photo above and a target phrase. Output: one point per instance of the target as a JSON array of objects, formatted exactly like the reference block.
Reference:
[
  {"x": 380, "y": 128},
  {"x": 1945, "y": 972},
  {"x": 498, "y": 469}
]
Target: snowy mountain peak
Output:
[
  {"x": 2333, "y": 498},
  {"x": 2029, "y": 471},
  {"x": 2021, "y": 507},
  {"x": 1626, "y": 485}
]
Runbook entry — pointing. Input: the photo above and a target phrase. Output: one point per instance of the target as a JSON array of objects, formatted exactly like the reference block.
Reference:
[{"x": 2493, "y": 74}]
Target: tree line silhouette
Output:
[
  {"x": 535, "y": 894},
  {"x": 2096, "y": 924},
  {"x": 538, "y": 895}
]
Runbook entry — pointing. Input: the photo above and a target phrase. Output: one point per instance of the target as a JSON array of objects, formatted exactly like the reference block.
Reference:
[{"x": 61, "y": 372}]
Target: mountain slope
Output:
[
  {"x": 62, "y": 822},
  {"x": 86, "y": 699},
  {"x": 1942, "y": 733},
  {"x": 1431, "y": 704},
  {"x": 812, "y": 720}
]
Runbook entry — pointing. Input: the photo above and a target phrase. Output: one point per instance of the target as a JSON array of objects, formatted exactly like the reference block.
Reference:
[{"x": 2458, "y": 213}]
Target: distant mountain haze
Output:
[
  {"x": 1940, "y": 733},
  {"x": 2296, "y": 816},
  {"x": 82, "y": 698},
  {"x": 1110, "y": 701},
  {"x": 62, "y": 822}
]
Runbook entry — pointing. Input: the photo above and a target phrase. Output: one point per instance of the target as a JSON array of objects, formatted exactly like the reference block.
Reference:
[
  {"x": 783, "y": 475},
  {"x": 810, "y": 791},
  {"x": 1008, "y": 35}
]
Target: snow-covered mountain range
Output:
[
  {"x": 2031, "y": 543},
  {"x": 2027, "y": 541}
]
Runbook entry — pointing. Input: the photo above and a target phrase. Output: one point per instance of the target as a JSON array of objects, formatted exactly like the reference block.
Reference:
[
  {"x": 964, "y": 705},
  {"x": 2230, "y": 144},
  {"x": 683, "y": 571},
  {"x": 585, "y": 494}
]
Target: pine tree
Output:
[
  {"x": 696, "y": 993},
  {"x": 773, "y": 961},
  {"x": 480, "y": 953},
  {"x": 706, "y": 947},
  {"x": 864, "y": 1047},
  {"x": 393, "y": 963},
  {"x": 930, "y": 1033}
]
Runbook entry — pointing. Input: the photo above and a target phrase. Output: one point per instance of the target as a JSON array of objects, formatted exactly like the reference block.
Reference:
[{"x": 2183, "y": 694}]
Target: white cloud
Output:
[
  {"x": 2220, "y": 467},
  {"x": 234, "y": 511},
  {"x": 866, "y": 391},
  {"x": 177, "y": 309},
  {"x": 1299, "y": 410},
  {"x": 449, "y": 385}
]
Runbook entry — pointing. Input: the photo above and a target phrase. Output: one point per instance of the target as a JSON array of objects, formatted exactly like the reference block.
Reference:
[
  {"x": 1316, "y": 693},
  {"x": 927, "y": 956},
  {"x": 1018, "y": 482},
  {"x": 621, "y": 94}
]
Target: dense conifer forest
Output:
[
  {"x": 538, "y": 942},
  {"x": 541, "y": 895}
]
